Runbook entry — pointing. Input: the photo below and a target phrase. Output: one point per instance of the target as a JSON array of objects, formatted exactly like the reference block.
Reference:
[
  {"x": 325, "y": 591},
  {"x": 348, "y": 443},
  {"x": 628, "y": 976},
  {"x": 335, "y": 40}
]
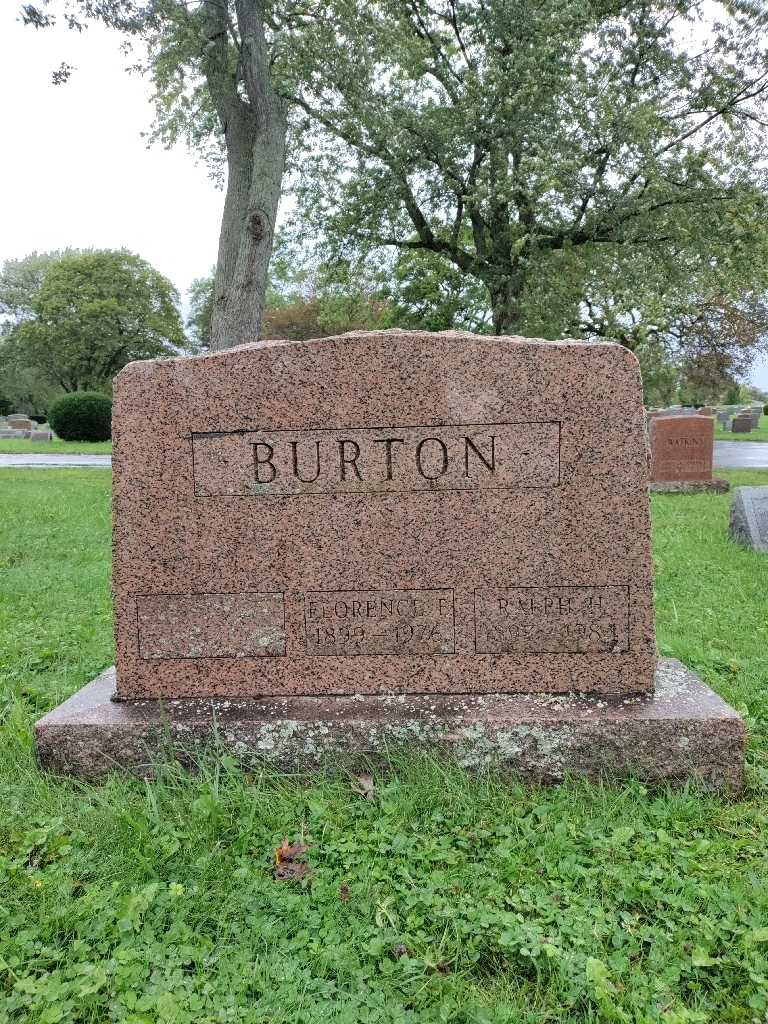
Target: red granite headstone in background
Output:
[{"x": 681, "y": 448}]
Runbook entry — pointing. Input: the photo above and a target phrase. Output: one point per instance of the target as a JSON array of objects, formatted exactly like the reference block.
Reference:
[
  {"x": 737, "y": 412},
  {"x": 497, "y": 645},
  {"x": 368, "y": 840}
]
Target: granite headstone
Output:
[
  {"x": 383, "y": 512},
  {"x": 328, "y": 548},
  {"x": 749, "y": 517},
  {"x": 682, "y": 452}
]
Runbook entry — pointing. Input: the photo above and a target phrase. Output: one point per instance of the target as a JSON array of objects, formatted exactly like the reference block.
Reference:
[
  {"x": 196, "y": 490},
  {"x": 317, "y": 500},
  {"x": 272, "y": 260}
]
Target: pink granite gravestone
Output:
[
  {"x": 336, "y": 546},
  {"x": 386, "y": 512}
]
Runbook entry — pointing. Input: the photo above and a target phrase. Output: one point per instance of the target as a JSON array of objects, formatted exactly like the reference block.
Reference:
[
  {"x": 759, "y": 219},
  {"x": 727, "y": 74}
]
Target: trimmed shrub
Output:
[
  {"x": 765, "y": 410},
  {"x": 82, "y": 416}
]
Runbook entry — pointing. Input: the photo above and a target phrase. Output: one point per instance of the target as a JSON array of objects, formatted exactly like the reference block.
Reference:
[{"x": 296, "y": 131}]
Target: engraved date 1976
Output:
[{"x": 350, "y": 623}]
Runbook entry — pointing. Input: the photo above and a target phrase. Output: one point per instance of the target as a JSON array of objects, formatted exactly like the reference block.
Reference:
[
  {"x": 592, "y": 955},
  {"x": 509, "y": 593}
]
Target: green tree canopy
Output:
[
  {"x": 92, "y": 313},
  {"x": 592, "y": 166},
  {"x": 20, "y": 281},
  {"x": 304, "y": 299}
]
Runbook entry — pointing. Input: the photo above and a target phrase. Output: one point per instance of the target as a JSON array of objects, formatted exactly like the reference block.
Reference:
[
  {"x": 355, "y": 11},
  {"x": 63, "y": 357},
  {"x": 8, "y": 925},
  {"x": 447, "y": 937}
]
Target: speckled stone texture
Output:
[
  {"x": 684, "y": 731},
  {"x": 749, "y": 518},
  {"x": 681, "y": 448},
  {"x": 419, "y": 513}
]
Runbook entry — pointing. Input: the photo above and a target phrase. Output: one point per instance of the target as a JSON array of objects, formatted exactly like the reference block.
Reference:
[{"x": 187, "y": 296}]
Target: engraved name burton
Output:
[{"x": 334, "y": 460}]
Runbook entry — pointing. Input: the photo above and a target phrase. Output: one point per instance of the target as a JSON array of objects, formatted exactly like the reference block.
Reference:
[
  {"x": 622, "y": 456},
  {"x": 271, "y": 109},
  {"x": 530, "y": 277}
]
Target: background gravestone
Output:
[
  {"x": 741, "y": 423},
  {"x": 334, "y": 547},
  {"x": 681, "y": 454},
  {"x": 749, "y": 517}
]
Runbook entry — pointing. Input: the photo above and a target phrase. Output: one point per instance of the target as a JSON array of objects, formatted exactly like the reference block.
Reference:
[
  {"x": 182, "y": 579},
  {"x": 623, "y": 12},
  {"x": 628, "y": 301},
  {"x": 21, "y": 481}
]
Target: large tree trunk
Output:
[
  {"x": 254, "y": 121},
  {"x": 254, "y": 180}
]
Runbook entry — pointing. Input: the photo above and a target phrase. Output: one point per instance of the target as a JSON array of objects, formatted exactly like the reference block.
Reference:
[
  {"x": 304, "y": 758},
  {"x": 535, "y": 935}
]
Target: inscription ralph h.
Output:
[
  {"x": 353, "y": 460},
  {"x": 552, "y": 620}
]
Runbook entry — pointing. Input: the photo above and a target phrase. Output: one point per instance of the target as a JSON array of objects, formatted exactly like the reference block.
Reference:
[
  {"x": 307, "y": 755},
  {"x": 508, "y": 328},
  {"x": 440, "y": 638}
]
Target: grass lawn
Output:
[
  {"x": 20, "y": 446},
  {"x": 759, "y": 433},
  {"x": 446, "y": 899}
]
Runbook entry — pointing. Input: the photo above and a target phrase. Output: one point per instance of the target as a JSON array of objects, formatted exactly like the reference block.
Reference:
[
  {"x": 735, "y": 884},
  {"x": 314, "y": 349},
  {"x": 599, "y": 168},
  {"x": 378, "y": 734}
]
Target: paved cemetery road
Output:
[
  {"x": 741, "y": 455},
  {"x": 728, "y": 455},
  {"x": 58, "y": 461}
]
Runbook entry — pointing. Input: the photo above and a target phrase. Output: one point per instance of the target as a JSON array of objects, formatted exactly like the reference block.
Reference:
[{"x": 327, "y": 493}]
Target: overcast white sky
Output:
[{"x": 75, "y": 171}]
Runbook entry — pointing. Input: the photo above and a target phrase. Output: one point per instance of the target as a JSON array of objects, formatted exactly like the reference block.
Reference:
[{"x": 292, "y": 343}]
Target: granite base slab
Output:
[
  {"x": 682, "y": 731},
  {"x": 716, "y": 484}
]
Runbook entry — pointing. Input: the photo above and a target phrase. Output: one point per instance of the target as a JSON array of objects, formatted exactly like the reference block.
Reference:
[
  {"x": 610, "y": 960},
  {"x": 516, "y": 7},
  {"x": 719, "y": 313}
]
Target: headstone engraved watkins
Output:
[
  {"x": 337, "y": 545},
  {"x": 681, "y": 453}
]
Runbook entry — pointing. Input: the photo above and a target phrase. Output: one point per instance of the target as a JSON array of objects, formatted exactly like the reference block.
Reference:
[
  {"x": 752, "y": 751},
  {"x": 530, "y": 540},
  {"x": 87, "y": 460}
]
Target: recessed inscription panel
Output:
[
  {"x": 210, "y": 625},
  {"x": 552, "y": 620},
  {"x": 359, "y": 460},
  {"x": 356, "y": 622},
  {"x": 679, "y": 467}
]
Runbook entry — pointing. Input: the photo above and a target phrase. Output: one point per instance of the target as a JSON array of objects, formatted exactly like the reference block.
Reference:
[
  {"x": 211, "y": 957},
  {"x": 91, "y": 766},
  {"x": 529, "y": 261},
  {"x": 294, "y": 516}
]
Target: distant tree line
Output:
[{"x": 69, "y": 321}]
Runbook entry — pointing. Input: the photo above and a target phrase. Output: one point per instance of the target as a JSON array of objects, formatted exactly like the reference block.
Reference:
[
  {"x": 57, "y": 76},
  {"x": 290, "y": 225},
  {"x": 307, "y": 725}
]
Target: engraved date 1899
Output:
[
  {"x": 350, "y": 623},
  {"x": 401, "y": 635}
]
